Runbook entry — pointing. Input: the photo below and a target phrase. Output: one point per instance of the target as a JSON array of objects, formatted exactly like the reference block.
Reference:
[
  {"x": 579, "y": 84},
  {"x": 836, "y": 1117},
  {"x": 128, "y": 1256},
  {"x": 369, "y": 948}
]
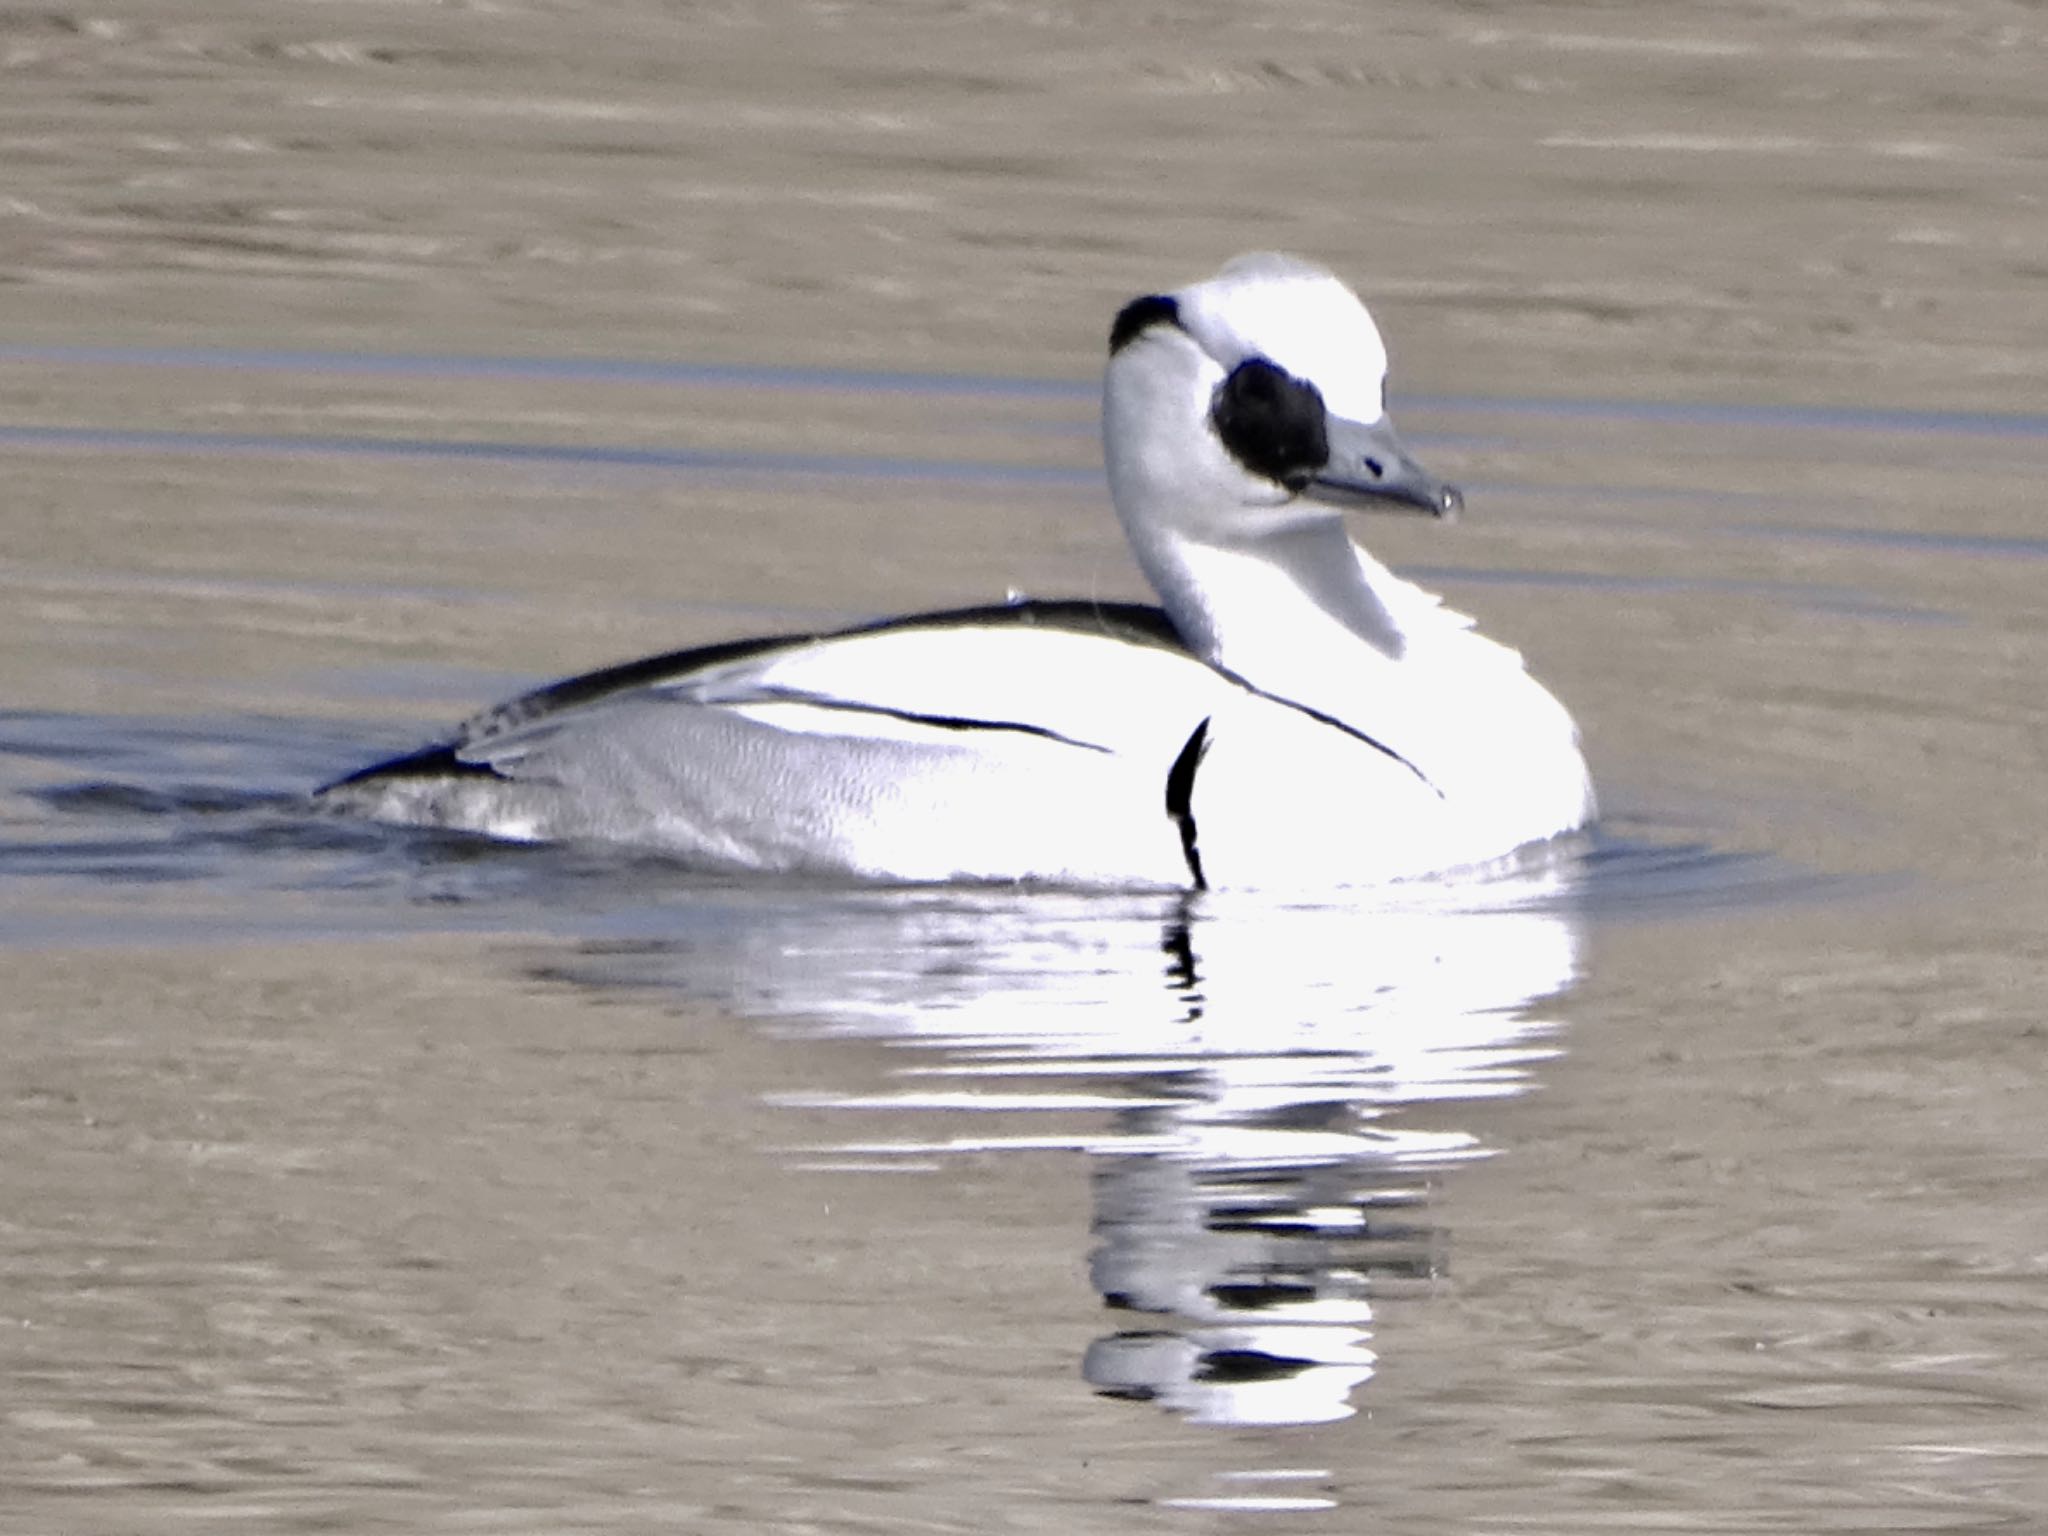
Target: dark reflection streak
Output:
[
  {"x": 1179, "y": 946},
  {"x": 1257, "y": 1232},
  {"x": 708, "y": 461},
  {"x": 1275, "y": 1078},
  {"x": 559, "y": 370},
  {"x": 666, "y": 372}
]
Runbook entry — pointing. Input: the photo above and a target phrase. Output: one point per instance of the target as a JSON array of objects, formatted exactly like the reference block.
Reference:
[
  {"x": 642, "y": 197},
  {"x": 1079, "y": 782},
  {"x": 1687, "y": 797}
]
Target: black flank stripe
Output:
[
  {"x": 1180, "y": 798},
  {"x": 938, "y": 722},
  {"x": 1357, "y": 735},
  {"x": 1335, "y": 724}
]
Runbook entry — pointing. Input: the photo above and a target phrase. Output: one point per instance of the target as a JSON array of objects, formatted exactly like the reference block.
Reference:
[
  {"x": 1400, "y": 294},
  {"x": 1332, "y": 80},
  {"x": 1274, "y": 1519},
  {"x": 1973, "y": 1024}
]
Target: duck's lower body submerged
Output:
[{"x": 1119, "y": 760}]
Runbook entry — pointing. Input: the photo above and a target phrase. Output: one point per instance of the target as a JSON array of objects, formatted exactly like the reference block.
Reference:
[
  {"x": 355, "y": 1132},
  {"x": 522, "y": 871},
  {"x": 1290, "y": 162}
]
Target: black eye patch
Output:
[{"x": 1272, "y": 422}]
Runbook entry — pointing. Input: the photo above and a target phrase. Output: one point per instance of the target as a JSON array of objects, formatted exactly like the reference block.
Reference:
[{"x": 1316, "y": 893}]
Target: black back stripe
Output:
[
  {"x": 436, "y": 762},
  {"x": 1137, "y": 623},
  {"x": 1180, "y": 798},
  {"x": 1134, "y": 623},
  {"x": 589, "y": 687},
  {"x": 1131, "y": 623}
]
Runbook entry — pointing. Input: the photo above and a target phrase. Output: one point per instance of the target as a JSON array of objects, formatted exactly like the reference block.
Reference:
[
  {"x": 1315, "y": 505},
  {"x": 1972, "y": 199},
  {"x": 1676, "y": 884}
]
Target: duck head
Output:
[{"x": 1264, "y": 386}]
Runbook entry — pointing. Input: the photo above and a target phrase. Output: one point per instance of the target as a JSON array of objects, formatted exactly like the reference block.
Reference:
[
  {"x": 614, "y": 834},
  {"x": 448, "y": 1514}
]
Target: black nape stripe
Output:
[
  {"x": 1180, "y": 798},
  {"x": 1140, "y": 315}
]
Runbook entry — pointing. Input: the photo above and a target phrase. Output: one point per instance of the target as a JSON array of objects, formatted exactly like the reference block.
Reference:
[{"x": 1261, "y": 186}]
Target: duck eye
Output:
[{"x": 1272, "y": 422}]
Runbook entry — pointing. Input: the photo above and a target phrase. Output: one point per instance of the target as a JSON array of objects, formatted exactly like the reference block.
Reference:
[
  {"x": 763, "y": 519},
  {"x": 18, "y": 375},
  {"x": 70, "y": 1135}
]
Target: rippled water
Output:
[
  {"x": 1265, "y": 1093},
  {"x": 361, "y": 364},
  {"x": 1274, "y": 1109},
  {"x": 287, "y": 1193}
]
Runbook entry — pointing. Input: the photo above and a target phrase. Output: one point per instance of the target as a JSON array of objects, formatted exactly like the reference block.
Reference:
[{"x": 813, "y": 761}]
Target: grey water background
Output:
[{"x": 360, "y": 364}]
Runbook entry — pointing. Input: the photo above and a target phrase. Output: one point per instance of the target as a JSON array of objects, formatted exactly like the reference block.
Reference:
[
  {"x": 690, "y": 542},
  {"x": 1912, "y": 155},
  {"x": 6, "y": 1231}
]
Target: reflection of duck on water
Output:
[
  {"x": 1259, "y": 1289},
  {"x": 1257, "y": 1204},
  {"x": 1265, "y": 1071}
]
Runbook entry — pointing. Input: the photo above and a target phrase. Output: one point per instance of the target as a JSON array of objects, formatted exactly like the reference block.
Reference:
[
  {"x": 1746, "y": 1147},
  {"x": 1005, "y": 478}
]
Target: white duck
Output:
[{"x": 1295, "y": 716}]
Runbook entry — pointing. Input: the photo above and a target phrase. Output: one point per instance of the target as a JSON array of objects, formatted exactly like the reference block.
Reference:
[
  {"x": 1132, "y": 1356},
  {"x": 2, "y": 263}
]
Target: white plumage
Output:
[{"x": 1294, "y": 716}]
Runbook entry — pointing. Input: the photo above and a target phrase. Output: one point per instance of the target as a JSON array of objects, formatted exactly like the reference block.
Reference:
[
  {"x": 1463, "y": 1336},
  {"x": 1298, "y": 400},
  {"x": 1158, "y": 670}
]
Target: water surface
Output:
[{"x": 364, "y": 365}]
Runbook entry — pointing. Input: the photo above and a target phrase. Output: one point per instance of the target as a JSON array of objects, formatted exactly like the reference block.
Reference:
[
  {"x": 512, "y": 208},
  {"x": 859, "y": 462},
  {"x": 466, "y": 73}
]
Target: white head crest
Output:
[{"x": 1296, "y": 314}]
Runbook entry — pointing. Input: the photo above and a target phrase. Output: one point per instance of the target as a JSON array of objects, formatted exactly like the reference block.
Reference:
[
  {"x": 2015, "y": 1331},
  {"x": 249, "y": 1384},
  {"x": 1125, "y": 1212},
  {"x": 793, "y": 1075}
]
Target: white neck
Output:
[
  {"x": 1257, "y": 582},
  {"x": 1273, "y": 591},
  {"x": 1253, "y": 604}
]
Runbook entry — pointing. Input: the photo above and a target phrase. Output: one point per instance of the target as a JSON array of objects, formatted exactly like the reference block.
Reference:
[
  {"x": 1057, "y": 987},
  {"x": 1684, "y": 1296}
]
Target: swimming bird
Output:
[{"x": 1291, "y": 714}]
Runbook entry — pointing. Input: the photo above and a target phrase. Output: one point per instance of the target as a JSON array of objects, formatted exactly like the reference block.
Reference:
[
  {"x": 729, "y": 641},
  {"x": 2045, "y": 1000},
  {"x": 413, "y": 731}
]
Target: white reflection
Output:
[{"x": 1265, "y": 1088}]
